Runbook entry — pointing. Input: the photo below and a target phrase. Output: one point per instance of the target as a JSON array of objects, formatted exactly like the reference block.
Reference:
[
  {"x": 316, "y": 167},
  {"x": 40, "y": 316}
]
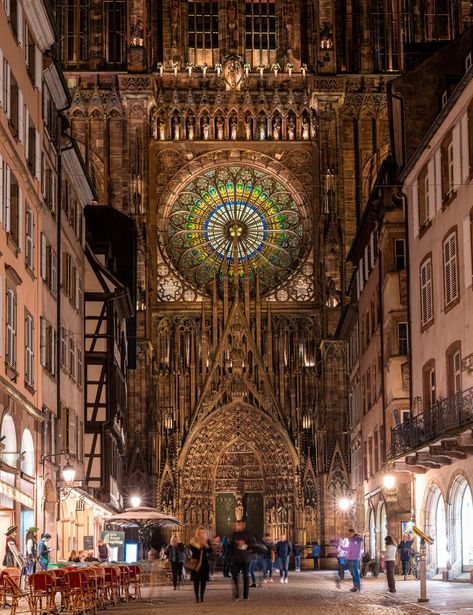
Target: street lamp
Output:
[
  {"x": 389, "y": 482},
  {"x": 68, "y": 473},
  {"x": 135, "y": 501}
]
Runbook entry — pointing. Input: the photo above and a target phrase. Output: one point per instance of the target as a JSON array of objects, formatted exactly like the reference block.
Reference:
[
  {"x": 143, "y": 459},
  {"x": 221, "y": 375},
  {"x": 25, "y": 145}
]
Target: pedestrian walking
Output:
[
  {"x": 390, "y": 562},
  {"x": 176, "y": 553},
  {"x": 31, "y": 550},
  {"x": 405, "y": 553},
  {"x": 201, "y": 549},
  {"x": 225, "y": 558},
  {"x": 283, "y": 552},
  {"x": 267, "y": 559},
  {"x": 215, "y": 555},
  {"x": 355, "y": 542},
  {"x": 44, "y": 550},
  {"x": 297, "y": 552},
  {"x": 342, "y": 547},
  {"x": 240, "y": 554},
  {"x": 316, "y": 555}
]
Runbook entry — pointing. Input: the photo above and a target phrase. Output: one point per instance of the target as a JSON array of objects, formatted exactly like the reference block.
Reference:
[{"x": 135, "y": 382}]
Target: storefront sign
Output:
[
  {"x": 114, "y": 539},
  {"x": 88, "y": 543},
  {"x": 16, "y": 495}
]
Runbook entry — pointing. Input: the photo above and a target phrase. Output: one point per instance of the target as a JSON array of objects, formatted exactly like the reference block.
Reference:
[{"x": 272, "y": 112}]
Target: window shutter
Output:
[
  {"x": 27, "y": 134},
  {"x": 20, "y": 219},
  {"x": 77, "y": 288},
  {"x": 361, "y": 270},
  {"x": 415, "y": 207},
  {"x": 431, "y": 183},
  {"x": 1, "y": 77},
  {"x": 426, "y": 291},
  {"x": 367, "y": 271},
  {"x": 42, "y": 341},
  {"x": 467, "y": 255},
  {"x": 44, "y": 257},
  {"x": 7, "y": 98},
  {"x": 7, "y": 201},
  {"x": 20, "y": 24},
  {"x": 1, "y": 315},
  {"x": 2, "y": 189},
  {"x": 38, "y": 68},
  {"x": 37, "y": 161},
  {"x": 21, "y": 118},
  {"x": 54, "y": 352},
  {"x": 53, "y": 279},
  {"x": 465, "y": 147},
  {"x": 456, "y": 157},
  {"x": 450, "y": 269},
  {"x": 372, "y": 250},
  {"x": 438, "y": 179}
]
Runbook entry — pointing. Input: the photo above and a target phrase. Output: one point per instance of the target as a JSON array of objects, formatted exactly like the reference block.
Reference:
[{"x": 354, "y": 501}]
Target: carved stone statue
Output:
[
  {"x": 190, "y": 123},
  {"x": 288, "y": 20},
  {"x": 176, "y": 127},
  {"x": 239, "y": 510},
  {"x": 231, "y": 23},
  {"x": 233, "y": 71},
  {"x": 204, "y": 127},
  {"x": 305, "y": 128},
  {"x": 174, "y": 14},
  {"x": 248, "y": 127},
  {"x": 291, "y": 128},
  {"x": 233, "y": 127},
  {"x": 219, "y": 127},
  {"x": 276, "y": 127},
  {"x": 261, "y": 127}
]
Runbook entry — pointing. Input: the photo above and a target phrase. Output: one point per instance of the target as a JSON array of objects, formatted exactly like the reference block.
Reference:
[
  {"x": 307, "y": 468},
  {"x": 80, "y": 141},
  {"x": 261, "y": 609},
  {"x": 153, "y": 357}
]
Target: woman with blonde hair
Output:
[{"x": 200, "y": 547}]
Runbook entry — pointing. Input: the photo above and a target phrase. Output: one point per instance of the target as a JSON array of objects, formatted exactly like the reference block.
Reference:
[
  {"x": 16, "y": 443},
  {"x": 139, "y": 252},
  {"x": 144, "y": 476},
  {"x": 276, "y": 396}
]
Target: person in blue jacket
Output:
[{"x": 316, "y": 555}]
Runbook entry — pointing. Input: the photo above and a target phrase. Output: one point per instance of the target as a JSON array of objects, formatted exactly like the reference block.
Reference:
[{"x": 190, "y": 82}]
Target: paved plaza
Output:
[{"x": 309, "y": 593}]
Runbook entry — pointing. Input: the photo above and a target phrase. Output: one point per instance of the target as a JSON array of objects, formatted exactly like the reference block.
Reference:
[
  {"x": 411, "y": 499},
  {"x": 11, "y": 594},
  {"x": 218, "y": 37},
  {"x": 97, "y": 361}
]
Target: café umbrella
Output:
[{"x": 143, "y": 517}]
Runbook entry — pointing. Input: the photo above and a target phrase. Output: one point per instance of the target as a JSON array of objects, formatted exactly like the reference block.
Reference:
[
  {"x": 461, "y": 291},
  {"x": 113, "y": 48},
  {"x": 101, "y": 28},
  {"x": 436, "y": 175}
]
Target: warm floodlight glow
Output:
[
  {"x": 135, "y": 501},
  {"x": 389, "y": 481}
]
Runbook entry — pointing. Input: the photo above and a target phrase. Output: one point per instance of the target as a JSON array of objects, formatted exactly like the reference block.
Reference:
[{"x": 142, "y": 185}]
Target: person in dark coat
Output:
[
  {"x": 176, "y": 553},
  {"x": 201, "y": 549},
  {"x": 316, "y": 555},
  {"x": 283, "y": 551},
  {"x": 240, "y": 553},
  {"x": 405, "y": 552}
]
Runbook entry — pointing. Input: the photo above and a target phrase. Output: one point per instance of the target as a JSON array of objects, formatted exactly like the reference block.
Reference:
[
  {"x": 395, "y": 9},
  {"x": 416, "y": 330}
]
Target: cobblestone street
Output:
[{"x": 308, "y": 593}]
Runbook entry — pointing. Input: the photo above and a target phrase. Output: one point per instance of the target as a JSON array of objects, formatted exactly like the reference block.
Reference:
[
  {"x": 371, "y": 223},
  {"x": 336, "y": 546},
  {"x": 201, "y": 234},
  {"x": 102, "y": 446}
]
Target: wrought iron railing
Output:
[{"x": 439, "y": 420}]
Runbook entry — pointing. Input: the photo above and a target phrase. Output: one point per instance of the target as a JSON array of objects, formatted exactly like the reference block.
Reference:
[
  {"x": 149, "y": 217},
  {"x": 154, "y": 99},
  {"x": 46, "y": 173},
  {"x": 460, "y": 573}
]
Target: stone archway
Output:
[{"x": 239, "y": 450}]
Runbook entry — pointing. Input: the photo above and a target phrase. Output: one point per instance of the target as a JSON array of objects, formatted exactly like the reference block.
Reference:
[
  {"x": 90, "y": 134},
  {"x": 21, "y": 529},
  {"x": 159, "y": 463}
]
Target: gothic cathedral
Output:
[{"x": 243, "y": 137}]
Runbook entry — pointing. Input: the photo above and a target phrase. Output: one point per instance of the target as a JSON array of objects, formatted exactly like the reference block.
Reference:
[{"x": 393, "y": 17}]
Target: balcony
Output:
[{"x": 429, "y": 438}]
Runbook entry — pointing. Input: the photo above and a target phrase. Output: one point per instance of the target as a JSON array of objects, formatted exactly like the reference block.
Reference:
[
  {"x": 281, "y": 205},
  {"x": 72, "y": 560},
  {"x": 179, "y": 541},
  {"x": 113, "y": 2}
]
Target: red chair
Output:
[
  {"x": 136, "y": 580},
  {"x": 11, "y": 591},
  {"x": 124, "y": 582},
  {"x": 42, "y": 590},
  {"x": 78, "y": 596}
]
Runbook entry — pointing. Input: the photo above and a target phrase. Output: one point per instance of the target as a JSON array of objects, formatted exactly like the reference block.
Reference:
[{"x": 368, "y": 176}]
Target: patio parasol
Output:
[{"x": 143, "y": 517}]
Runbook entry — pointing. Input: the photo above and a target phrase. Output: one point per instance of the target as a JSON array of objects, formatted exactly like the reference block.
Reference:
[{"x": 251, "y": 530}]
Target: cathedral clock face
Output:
[{"x": 235, "y": 219}]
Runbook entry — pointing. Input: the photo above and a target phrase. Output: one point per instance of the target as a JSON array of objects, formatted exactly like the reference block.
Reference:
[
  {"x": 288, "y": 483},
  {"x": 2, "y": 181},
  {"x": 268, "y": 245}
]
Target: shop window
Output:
[{"x": 27, "y": 450}]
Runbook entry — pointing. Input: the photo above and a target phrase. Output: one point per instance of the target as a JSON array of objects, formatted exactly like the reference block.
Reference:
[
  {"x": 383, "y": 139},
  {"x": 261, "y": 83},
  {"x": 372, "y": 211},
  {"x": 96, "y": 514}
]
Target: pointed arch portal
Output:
[{"x": 239, "y": 458}]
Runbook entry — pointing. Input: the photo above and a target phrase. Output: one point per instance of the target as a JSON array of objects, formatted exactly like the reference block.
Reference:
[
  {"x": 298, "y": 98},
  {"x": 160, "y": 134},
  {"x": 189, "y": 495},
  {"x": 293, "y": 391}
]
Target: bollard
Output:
[{"x": 423, "y": 573}]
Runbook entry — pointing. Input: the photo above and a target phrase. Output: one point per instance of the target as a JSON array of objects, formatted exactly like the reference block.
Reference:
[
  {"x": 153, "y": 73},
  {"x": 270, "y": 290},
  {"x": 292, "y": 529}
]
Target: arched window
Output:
[
  {"x": 436, "y": 526},
  {"x": 27, "y": 448},
  {"x": 8, "y": 436}
]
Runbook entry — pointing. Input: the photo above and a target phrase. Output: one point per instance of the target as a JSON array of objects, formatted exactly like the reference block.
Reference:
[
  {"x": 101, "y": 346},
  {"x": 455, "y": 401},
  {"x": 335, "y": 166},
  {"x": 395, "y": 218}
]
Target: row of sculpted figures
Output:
[{"x": 277, "y": 127}]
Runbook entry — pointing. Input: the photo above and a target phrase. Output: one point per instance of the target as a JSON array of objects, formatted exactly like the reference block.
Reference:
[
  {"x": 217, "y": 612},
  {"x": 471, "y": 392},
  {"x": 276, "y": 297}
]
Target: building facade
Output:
[
  {"x": 244, "y": 139},
  {"x": 375, "y": 325},
  {"x": 434, "y": 443}
]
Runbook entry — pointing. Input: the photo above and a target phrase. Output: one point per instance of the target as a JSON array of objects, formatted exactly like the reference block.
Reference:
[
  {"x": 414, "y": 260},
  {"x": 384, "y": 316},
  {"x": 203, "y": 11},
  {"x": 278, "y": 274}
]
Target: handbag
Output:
[{"x": 192, "y": 564}]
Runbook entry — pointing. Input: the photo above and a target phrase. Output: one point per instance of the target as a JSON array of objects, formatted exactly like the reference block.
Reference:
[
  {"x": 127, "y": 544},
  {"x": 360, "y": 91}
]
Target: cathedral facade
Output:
[{"x": 243, "y": 137}]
